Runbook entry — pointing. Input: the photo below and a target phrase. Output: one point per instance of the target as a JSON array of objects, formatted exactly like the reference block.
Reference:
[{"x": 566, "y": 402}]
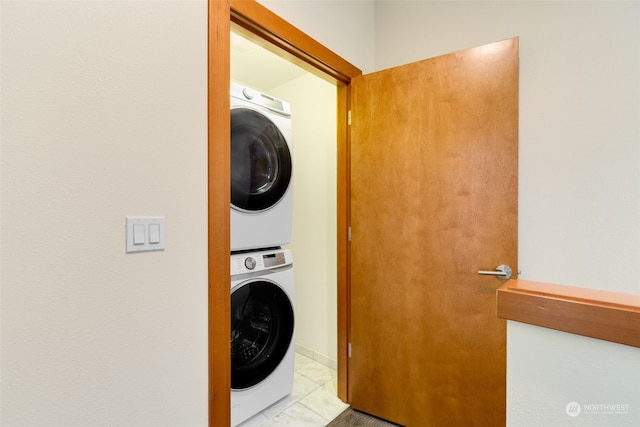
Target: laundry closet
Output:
[{"x": 313, "y": 240}]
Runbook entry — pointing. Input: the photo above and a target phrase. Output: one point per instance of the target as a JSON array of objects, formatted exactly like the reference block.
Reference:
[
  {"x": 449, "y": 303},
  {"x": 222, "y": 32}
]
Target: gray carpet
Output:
[{"x": 352, "y": 418}]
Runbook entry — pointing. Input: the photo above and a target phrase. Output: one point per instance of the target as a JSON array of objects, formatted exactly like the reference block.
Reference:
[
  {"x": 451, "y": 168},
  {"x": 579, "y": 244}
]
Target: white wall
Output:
[
  {"x": 548, "y": 370},
  {"x": 103, "y": 116}
]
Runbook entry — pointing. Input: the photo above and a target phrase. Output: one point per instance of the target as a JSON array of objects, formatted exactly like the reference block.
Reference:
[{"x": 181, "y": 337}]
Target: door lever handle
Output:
[{"x": 503, "y": 271}]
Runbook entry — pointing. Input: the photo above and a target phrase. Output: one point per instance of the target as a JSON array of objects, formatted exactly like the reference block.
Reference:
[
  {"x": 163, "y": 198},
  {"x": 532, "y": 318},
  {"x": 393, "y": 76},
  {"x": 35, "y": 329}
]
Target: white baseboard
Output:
[{"x": 317, "y": 356}]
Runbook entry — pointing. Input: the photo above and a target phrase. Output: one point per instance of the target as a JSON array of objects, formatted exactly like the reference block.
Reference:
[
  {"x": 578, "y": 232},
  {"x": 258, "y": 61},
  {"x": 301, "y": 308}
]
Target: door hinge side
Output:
[
  {"x": 349, "y": 350},
  {"x": 349, "y": 234},
  {"x": 349, "y": 118}
]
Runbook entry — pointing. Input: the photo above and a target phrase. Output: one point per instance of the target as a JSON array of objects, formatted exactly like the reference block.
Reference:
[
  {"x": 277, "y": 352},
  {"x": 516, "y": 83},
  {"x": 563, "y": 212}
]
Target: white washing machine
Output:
[
  {"x": 262, "y": 331},
  {"x": 261, "y": 170}
]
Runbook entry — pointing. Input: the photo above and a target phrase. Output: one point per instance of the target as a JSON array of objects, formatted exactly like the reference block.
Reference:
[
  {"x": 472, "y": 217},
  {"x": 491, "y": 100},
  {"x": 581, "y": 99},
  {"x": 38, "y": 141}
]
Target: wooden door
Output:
[{"x": 433, "y": 200}]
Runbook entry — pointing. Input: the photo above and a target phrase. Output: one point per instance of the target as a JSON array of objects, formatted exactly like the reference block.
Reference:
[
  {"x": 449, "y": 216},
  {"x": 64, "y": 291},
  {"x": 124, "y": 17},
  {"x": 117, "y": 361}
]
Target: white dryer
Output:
[
  {"x": 261, "y": 170},
  {"x": 262, "y": 331}
]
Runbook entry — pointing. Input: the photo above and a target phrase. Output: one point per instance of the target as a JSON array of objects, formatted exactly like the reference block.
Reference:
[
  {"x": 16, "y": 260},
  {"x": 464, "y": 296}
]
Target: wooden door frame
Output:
[{"x": 271, "y": 31}]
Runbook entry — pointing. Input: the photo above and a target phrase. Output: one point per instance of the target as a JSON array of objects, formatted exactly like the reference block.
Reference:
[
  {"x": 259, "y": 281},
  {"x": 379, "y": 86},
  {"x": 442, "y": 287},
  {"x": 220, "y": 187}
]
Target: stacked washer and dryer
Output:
[{"x": 262, "y": 284}]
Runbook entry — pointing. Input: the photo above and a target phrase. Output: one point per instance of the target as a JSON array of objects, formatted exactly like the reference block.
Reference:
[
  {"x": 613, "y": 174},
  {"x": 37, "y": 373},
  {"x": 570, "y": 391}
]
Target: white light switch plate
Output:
[{"x": 145, "y": 234}]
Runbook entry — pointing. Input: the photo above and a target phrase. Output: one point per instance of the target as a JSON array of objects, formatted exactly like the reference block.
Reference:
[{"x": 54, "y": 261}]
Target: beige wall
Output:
[
  {"x": 314, "y": 246},
  {"x": 103, "y": 116}
]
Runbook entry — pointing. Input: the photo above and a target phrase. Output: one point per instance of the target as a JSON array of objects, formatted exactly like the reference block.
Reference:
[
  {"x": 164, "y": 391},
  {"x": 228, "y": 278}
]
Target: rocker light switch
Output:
[
  {"x": 154, "y": 233},
  {"x": 138, "y": 234},
  {"x": 145, "y": 234}
]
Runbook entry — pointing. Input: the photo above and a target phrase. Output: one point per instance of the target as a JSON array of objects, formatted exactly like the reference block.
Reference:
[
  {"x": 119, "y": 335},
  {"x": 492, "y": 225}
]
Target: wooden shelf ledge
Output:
[{"x": 609, "y": 316}]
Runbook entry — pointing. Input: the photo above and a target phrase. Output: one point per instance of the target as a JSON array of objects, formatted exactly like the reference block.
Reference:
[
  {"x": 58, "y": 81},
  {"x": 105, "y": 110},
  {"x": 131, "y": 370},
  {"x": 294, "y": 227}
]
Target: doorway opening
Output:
[
  {"x": 270, "y": 31},
  {"x": 314, "y": 245}
]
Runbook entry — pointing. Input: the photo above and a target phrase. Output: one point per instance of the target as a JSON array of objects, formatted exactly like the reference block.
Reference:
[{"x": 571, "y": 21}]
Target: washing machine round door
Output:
[
  {"x": 262, "y": 324},
  {"x": 261, "y": 163}
]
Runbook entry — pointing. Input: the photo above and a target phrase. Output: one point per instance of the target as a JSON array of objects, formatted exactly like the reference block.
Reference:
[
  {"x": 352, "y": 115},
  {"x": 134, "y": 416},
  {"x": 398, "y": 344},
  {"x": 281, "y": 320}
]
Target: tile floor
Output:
[{"x": 313, "y": 402}]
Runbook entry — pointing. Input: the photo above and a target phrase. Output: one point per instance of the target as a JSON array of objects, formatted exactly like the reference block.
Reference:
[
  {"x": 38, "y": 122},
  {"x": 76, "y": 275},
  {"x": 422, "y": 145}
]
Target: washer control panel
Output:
[
  {"x": 258, "y": 261},
  {"x": 273, "y": 260},
  {"x": 250, "y": 262}
]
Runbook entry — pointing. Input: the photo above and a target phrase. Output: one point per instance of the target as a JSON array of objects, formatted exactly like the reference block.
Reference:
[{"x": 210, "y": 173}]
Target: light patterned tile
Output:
[
  {"x": 256, "y": 421},
  {"x": 310, "y": 378},
  {"x": 297, "y": 416},
  {"x": 302, "y": 386},
  {"x": 302, "y": 361},
  {"x": 279, "y": 406},
  {"x": 279, "y": 421},
  {"x": 317, "y": 372},
  {"x": 324, "y": 403},
  {"x": 305, "y": 416},
  {"x": 331, "y": 386}
]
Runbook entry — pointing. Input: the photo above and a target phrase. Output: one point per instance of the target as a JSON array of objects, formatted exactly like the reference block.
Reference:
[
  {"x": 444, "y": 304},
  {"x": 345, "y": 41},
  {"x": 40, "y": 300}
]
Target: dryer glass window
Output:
[
  {"x": 260, "y": 161},
  {"x": 262, "y": 324}
]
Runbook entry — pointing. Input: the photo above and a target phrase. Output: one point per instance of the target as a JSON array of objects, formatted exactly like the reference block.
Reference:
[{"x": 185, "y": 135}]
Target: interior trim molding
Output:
[
  {"x": 605, "y": 315},
  {"x": 279, "y": 36},
  {"x": 291, "y": 43},
  {"x": 219, "y": 200}
]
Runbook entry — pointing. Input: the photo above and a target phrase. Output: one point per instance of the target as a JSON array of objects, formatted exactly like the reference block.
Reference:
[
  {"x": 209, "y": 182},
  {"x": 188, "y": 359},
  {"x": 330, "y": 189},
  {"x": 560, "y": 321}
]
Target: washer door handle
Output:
[{"x": 503, "y": 271}]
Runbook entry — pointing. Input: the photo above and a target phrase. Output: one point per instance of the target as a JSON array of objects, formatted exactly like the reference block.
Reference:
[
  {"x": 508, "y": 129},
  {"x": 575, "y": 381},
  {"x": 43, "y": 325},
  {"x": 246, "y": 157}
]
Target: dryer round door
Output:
[
  {"x": 262, "y": 324},
  {"x": 260, "y": 161}
]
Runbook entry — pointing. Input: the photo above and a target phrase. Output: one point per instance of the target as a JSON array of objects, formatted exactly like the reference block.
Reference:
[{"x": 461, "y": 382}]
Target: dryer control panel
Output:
[
  {"x": 259, "y": 261},
  {"x": 261, "y": 99}
]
